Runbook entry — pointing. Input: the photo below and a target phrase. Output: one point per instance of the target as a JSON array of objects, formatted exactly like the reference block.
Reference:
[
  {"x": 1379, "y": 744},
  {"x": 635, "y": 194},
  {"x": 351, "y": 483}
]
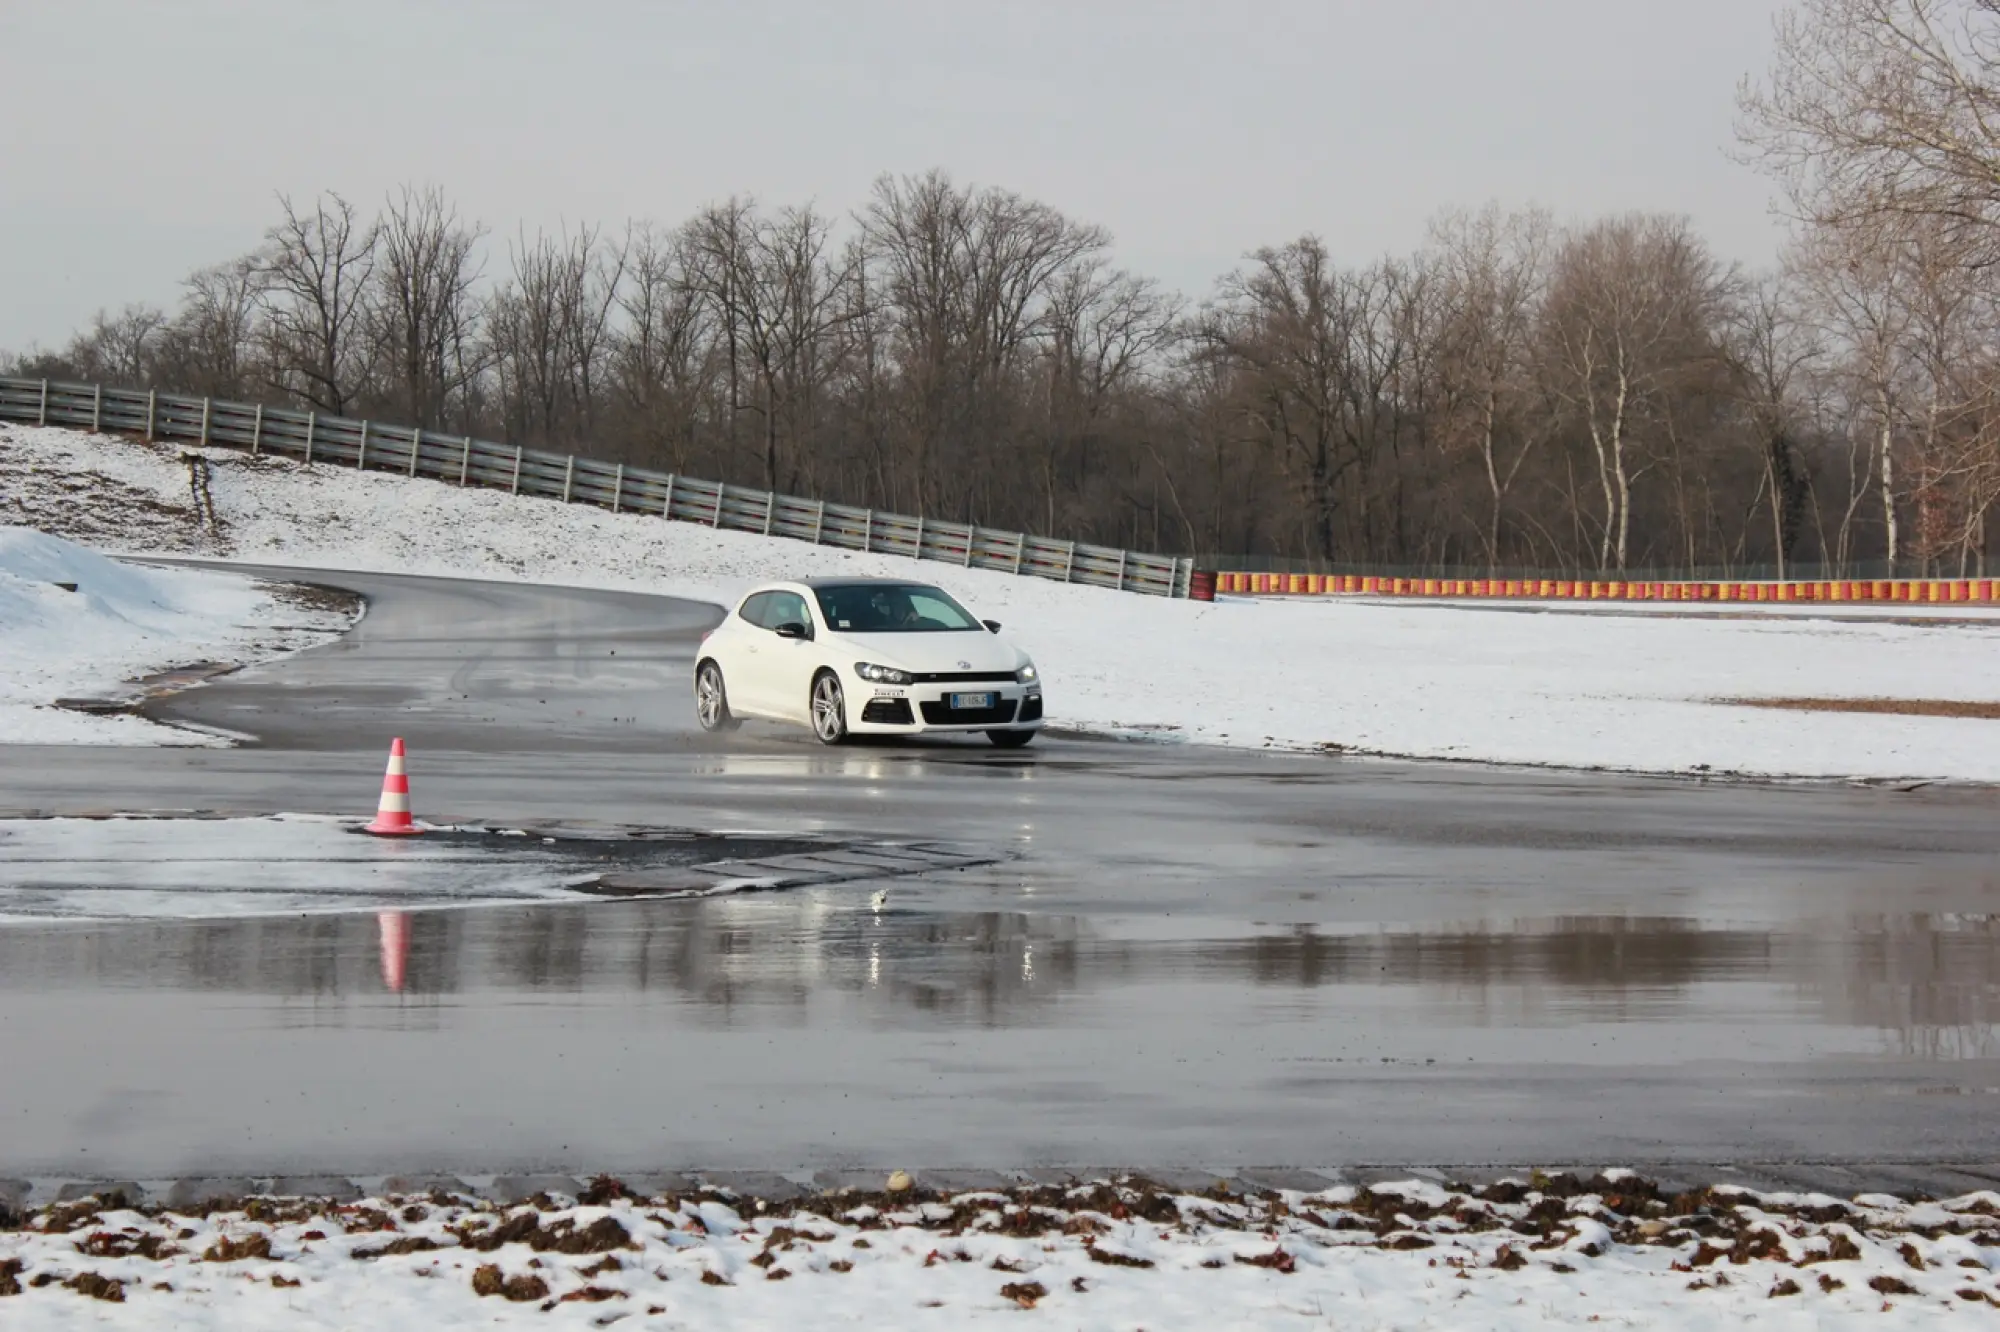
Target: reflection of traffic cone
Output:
[
  {"x": 395, "y": 946},
  {"x": 392, "y": 816}
]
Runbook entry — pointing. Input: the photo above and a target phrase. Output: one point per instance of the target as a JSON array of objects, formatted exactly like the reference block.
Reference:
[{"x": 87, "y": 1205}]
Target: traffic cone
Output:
[
  {"x": 395, "y": 929},
  {"x": 392, "y": 815}
]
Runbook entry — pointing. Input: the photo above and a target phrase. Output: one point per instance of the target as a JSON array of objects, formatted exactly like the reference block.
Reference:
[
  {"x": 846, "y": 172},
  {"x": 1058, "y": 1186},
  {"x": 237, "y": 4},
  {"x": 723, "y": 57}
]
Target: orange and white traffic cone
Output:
[{"x": 392, "y": 815}]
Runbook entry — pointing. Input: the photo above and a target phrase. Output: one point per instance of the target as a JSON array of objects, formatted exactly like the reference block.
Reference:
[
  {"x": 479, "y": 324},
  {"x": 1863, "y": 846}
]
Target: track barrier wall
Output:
[
  {"x": 463, "y": 461},
  {"x": 1925, "y": 591}
]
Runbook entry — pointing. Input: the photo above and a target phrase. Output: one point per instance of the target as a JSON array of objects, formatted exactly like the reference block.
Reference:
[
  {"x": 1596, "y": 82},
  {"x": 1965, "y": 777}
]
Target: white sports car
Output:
[{"x": 865, "y": 656}]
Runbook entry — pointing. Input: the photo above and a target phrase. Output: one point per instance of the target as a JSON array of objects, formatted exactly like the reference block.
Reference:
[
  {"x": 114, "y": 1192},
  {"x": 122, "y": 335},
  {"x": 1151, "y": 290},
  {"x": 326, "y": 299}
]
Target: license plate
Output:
[{"x": 970, "y": 702}]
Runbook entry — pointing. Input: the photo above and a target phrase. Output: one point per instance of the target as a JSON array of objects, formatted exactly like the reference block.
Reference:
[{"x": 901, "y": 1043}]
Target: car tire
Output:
[
  {"x": 829, "y": 709},
  {"x": 711, "y": 700},
  {"x": 1010, "y": 739}
]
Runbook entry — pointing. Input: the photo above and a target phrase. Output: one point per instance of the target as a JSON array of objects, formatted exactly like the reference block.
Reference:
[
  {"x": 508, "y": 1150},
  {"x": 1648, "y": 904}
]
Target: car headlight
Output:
[
  {"x": 868, "y": 670},
  {"x": 1028, "y": 674}
]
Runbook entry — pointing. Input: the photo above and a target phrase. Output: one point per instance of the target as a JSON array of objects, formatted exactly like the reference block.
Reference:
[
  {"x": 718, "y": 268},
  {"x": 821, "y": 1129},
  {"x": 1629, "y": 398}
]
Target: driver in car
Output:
[{"x": 894, "y": 609}]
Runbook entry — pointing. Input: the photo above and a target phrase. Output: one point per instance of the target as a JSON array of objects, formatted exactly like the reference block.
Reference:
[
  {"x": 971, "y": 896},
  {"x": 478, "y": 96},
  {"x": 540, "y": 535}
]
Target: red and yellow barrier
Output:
[{"x": 1924, "y": 591}]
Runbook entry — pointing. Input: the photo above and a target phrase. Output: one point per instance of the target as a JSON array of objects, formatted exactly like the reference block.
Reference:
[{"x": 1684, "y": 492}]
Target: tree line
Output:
[{"x": 1514, "y": 392}]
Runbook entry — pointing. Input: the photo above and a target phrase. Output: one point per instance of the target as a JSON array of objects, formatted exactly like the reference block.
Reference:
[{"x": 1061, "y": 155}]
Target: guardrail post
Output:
[
  {"x": 97, "y": 407},
  {"x": 770, "y": 507},
  {"x": 917, "y": 551},
  {"x": 971, "y": 538},
  {"x": 45, "y": 402},
  {"x": 667, "y": 504},
  {"x": 569, "y": 476},
  {"x": 416, "y": 446},
  {"x": 1069, "y": 561},
  {"x": 1121, "y": 572},
  {"x": 819, "y": 522},
  {"x": 312, "y": 424},
  {"x": 361, "y": 458},
  {"x": 721, "y": 493},
  {"x": 207, "y": 406},
  {"x": 868, "y": 532},
  {"x": 1020, "y": 549},
  {"x": 257, "y": 432},
  {"x": 618, "y": 490},
  {"x": 152, "y": 403},
  {"x": 465, "y": 461},
  {"x": 516, "y": 488}
]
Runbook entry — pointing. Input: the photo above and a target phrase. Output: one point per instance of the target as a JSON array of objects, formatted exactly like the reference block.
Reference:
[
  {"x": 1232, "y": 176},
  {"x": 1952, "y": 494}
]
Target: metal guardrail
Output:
[{"x": 465, "y": 461}]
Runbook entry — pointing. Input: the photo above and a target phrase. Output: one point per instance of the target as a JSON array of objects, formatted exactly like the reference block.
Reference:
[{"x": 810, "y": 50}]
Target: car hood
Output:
[{"x": 936, "y": 652}]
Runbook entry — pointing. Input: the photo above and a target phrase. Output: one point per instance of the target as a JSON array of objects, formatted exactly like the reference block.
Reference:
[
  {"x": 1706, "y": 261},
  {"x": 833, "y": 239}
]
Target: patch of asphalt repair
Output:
[{"x": 628, "y": 861}]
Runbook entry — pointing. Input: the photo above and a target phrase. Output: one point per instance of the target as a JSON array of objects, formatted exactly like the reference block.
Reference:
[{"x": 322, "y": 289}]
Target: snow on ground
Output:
[
  {"x": 1095, "y": 1256},
  {"x": 1514, "y": 685},
  {"x": 75, "y": 624}
]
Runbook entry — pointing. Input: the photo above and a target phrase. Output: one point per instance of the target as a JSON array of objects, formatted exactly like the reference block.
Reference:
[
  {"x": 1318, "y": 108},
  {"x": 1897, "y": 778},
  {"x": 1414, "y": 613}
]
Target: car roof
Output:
[{"x": 815, "y": 585}]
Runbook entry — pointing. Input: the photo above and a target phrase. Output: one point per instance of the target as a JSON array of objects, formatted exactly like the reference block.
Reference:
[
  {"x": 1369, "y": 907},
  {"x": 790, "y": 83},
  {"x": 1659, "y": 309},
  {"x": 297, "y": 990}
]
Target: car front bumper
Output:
[{"x": 923, "y": 708}]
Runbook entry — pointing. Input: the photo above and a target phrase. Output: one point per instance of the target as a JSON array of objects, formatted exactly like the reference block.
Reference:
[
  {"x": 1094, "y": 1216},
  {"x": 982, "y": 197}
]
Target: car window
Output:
[
  {"x": 786, "y": 608},
  {"x": 755, "y": 610},
  {"x": 892, "y": 608}
]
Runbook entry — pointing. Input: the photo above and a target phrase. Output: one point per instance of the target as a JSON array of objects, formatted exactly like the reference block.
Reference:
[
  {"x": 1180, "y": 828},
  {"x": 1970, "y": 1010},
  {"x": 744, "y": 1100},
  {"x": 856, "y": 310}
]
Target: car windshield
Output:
[{"x": 892, "y": 608}]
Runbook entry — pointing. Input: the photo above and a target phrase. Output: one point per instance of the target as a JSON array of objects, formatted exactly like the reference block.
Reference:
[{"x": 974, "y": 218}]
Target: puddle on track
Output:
[{"x": 153, "y": 868}]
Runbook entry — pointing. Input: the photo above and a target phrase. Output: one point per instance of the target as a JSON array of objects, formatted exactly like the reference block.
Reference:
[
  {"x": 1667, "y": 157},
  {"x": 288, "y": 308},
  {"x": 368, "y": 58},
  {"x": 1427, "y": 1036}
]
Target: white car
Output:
[{"x": 865, "y": 656}]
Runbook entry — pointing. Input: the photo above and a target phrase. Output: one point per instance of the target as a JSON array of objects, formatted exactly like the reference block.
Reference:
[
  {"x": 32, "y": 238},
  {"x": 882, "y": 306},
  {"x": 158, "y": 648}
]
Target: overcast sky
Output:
[{"x": 143, "y": 139}]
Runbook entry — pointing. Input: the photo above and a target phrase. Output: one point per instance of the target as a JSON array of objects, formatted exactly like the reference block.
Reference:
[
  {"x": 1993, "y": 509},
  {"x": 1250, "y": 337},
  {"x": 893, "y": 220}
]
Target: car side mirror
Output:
[
  {"x": 992, "y": 626},
  {"x": 793, "y": 629}
]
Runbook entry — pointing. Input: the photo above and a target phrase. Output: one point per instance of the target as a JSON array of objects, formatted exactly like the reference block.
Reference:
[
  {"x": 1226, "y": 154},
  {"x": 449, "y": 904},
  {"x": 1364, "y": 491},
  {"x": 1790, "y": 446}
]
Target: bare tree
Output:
[
  {"x": 1494, "y": 268},
  {"x": 1633, "y": 308},
  {"x": 1770, "y": 349},
  {"x": 964, "y": 275},
  {"x": 549, "y": 332},
  {"x": 776, "y": 287},
  {"x": 424, "y": 313},
  {"x": 1104, "y": 328},
  {"x": 662, "y": 358},
  {"x": 313, "y": 279},
  {"x": 120, "y": 348},
  {"x": 1884, "y": 109},
  {"x": 210, "y": 346}
]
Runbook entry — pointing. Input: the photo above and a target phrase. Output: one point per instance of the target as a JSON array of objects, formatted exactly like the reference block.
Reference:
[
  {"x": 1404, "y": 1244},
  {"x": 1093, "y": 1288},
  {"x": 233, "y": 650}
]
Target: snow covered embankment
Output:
[
  {"x": 74, "y": 624},
  {"x": 1519, "y": 1255},
  {"x": 1630, "y": 692}
]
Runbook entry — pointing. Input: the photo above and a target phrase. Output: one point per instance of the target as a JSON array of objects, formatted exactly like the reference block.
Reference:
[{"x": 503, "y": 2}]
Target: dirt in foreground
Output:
[{"x": 1894, "y": 707}]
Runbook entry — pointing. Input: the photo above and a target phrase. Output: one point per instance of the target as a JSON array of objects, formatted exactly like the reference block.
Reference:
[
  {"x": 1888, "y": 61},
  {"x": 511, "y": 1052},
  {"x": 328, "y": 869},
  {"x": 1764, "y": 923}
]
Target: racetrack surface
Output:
[{"x": 1194, "y": 957}]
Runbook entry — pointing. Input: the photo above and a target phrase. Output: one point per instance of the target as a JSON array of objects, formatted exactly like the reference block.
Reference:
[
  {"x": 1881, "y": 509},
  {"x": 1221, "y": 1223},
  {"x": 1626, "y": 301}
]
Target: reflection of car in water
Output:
[{"x": 865, "y": 656}]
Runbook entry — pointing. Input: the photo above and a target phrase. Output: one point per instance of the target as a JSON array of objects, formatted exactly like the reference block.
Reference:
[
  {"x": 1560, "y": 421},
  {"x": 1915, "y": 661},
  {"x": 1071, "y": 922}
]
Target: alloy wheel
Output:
[
  {"x": 711, "y": 702},
  {"x": 829, "y": 711}
]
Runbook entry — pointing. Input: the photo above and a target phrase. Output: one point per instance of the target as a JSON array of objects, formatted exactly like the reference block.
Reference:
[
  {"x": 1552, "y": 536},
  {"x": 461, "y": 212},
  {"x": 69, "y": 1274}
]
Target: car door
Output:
[
  {"x": 744, "y": 673},
  {"x": 789, "y": 661}
]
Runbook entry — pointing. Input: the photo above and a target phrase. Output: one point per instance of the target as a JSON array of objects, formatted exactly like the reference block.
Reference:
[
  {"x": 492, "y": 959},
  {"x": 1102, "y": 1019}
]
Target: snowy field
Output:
[
  {"x": 76, "y": 625},
  {"x": 1546, "y": 686},
  {"x": 1610, "y": 1252}
]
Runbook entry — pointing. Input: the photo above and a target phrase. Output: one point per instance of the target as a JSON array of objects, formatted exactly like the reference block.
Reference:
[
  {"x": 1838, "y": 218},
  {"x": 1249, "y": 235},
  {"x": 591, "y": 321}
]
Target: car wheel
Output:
[
  {"x": 1010, "y": 739},
  {"x": 829, "y": 709},
  {"x": 711, "y": 700}
]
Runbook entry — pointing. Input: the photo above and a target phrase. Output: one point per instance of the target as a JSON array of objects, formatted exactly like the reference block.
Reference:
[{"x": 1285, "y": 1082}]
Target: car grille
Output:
[
  {"x": 1031, "y": 710},
  {"x": 942, "y": 714},
  {"x": 964, "y": 677},
  {"x": 888, "y": 712}
]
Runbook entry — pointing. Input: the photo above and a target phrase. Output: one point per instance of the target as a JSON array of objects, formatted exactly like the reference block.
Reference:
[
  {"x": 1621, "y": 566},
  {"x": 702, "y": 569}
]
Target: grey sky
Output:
[{"x": 144, "y": 139}]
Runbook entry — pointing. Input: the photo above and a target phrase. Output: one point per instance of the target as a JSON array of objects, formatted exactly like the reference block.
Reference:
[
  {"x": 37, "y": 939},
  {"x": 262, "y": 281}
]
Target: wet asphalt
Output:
[{"x": 1188, "y": 957}]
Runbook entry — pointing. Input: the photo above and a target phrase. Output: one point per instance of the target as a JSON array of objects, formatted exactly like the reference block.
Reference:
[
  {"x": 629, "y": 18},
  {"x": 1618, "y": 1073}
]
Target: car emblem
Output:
[{"x": 965, "y": 665}]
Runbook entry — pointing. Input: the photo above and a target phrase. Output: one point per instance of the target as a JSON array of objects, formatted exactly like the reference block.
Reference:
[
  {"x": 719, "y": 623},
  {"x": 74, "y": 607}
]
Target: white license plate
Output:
[{"x": 970, "y": 702}]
